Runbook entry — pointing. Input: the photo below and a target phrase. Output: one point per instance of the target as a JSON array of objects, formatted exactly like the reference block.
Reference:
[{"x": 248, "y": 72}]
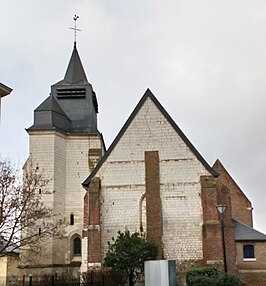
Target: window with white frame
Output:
[{"x": 248, "y": 252}]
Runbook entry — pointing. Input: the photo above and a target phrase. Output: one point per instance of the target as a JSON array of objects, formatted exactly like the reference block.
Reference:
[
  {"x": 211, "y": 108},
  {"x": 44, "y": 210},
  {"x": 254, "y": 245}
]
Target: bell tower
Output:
[{"x": 65, "y": 145}]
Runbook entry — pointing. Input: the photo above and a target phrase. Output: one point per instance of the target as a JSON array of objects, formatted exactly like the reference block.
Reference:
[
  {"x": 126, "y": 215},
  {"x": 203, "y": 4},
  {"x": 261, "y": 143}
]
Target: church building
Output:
[{"x": 151, "y": 179}]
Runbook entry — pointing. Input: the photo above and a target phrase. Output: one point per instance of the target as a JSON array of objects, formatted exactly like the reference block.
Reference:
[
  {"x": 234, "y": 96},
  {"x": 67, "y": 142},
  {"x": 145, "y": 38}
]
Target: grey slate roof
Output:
[
  {"x": 49, "y": 115},
  {"x": 50, "y": 104},
  {"x": 75, "y": 72},
  {"x": 148, "y": 94},
  {"x": 72, "y": 105},
  {"x": 244, "y": 232}
]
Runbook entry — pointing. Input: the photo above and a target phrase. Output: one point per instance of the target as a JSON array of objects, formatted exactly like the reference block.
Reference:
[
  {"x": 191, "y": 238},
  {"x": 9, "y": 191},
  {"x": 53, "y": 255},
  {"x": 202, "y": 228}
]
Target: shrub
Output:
[
  {"x": 201, "y": 272},
  {"x": 201, "y": 281},
  {"x": 206, "y": 276},
  {"x": 227, "y": 279},
  {"x": 127, "y": 254}
]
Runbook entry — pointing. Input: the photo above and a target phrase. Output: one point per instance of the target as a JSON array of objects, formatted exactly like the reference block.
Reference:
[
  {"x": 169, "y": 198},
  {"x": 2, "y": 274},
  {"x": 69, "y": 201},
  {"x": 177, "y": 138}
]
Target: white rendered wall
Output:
[{"x": 123, "y": 183}]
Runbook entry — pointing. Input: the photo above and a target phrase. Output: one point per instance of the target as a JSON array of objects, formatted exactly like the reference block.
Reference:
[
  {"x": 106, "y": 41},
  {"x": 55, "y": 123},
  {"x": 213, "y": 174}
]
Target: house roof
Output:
[
  {"x": 4, "y": 90},
  {"x": 245, "y": 232},
  {"x": 148, "y": 94}
]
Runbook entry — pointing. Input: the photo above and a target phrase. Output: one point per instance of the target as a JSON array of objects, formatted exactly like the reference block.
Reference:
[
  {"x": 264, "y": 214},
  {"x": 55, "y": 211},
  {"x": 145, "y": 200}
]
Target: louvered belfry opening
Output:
[{"x": 70, "y": 92}]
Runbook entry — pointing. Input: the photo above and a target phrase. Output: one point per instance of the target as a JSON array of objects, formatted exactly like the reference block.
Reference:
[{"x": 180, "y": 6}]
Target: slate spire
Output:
[
  {"x": 75, "y": 72},
  {"x": 72, "y": 106}
]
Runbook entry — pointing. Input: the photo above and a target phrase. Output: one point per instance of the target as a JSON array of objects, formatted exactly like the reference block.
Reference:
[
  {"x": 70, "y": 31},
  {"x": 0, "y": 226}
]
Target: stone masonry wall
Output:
[
  {"x": 42, "y": 146},
  {"x": 66, "y": 160},
  {"x": 123, "y": 185},
  {"x": 78, "y": 162}
]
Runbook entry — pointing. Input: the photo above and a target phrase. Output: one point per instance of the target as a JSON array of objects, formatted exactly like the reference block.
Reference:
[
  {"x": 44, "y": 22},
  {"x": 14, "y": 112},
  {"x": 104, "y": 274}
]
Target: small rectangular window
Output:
[
  {"x": 249, "y": 252},
  {"x": 71, "y": 219},
  {"x": 40, "y": 231},
  {"x": 40, "y": 191}
]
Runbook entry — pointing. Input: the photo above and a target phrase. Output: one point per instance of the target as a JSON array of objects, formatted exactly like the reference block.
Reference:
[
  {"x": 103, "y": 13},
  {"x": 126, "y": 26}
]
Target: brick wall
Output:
[
  {"x": 214, "y": 193},
  {"x": 252, "y": 271},
  {"x": 241, "y": 206},
  {"x": 94, "y": 230},
  {"x": 153, "y": 200}
]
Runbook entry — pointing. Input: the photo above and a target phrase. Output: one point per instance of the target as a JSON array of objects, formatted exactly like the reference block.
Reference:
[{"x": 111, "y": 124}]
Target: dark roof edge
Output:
[
  {"x": 4, "y": 90},
  {"x": 147, "y": 94},
  {"x": 31, "y": 128},
  {"x": 103, "y": 142}
]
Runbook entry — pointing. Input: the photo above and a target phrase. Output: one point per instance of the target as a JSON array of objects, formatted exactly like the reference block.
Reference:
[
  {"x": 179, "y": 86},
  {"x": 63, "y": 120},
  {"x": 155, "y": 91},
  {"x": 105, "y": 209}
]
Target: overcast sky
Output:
[{"x": 204, "y": 60}]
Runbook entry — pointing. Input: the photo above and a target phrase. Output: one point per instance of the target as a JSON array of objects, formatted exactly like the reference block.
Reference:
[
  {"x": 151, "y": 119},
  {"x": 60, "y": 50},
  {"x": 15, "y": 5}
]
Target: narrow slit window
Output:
[
  {"x": 71, "y": 219},
  {"x": 40, "y": 231}
]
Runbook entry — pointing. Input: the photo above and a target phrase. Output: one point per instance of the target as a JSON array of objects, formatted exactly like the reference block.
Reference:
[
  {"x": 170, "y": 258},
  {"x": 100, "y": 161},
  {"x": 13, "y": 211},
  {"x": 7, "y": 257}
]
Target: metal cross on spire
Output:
[{"x": 75, "y": 18}]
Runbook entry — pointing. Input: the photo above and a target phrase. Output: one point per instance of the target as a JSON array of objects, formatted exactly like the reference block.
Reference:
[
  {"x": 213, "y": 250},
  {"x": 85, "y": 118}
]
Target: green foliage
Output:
[
  {"x": 201, "y": 272},
  {"x": 128, "y": 252},
  {"x": 206, "y": 276},
  {"x": 227, "y": 279},
  {"x": 202, "y": 281}
]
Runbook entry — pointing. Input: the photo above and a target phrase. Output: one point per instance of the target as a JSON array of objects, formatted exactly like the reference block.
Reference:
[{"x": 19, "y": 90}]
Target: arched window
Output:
[{"x": 77, "y": 246}]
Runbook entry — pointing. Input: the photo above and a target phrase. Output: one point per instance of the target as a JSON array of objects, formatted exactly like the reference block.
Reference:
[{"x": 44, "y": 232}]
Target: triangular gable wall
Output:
[
  {"x": 152, "y": 168},
  {"x": 149, "y": 94}
]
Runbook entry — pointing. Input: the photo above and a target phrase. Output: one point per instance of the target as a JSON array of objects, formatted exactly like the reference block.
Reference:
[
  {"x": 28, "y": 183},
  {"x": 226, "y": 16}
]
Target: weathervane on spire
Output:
[{"x": 75, "y": 18}]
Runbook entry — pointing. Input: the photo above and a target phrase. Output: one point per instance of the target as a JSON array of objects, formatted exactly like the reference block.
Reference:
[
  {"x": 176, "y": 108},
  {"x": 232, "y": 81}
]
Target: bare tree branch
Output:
[{"x": 25, "y": 221}]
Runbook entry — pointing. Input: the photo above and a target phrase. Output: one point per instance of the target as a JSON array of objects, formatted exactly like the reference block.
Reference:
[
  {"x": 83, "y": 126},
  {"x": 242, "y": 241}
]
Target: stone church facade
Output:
[{"x": 151, "y": 179}]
